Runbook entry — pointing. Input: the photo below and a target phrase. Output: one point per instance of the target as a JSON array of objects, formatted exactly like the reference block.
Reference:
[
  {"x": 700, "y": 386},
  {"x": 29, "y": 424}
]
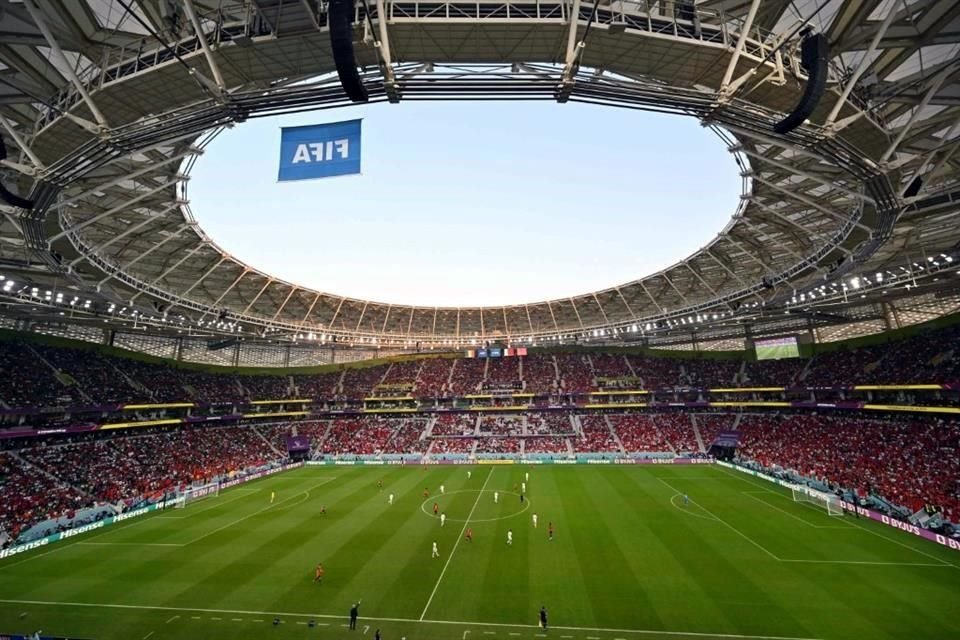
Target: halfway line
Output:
[{"x": 455, "y": 545}]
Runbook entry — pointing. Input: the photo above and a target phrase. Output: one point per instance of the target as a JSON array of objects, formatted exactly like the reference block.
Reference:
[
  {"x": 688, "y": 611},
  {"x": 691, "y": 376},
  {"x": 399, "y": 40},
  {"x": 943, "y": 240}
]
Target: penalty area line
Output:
[{"x": 502, "y": 625}]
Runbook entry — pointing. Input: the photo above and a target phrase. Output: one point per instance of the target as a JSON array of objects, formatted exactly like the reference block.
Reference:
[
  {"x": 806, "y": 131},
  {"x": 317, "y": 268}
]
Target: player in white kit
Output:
[
  {"x": 442, "y": 491},
  {"x": 496, "y": 497},
  {"x": 390, "y": 499},
  {"x": 443, "y": 519},
  {"x": 534, "y": 521},
  {"x": 436, "y": 553},
  {"x": 523, "y": 487},
  {"x": 509, "y": 536}
]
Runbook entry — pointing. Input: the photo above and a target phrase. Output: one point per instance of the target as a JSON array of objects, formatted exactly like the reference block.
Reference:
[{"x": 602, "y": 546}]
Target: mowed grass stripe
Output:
[{"x": 624, "y": 557}]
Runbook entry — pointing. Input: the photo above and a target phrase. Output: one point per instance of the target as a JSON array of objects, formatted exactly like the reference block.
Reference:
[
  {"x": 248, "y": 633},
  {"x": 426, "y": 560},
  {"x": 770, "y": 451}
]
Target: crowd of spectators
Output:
[
  {"x": 212, "y": 388},
  {"x": 442, "y": 446},
  {"x": 548, "y": 424},
  {"x": 35, "y": 384},
  {"x": 455, "y": 424},
  {"x": 324, "y": 385},
  {"x": 501, "y": 425},
  {"x": 707, "y": 374},
  {"x": 266, "y": 387},
  {"x": 503, "y": 373},
  {"x": 608, "y": 365},
  {"x": 576, "y": 373},
  {"x": 545, "y": 445},
  {"x": 658, "y": 373},
  {"x": 711, "y": 424},
  {"x": 94, "y": 374},
  {"x": 357, "y": 436},
  {"x": 908, "y": 461},
  {"x": 498, "y": 445},
  {"x": 402, "y": 372},
  {"x": 358, "y": 382},
  {"x": 406, "y": 436},
  {"x": 467, "y": 375},
  {"x": 30, "y": 497},
  {"x": 162, "y": 381},
  {"x": 597, "y": 436},
  {"x": 771, "y": 373},
  {"x": 539, "y": 373},
  {"x": 50, "y": 376},
  {"x": 677, "y": 430},
  {"x": 639, "y": 433},
  {"x": 433, "y": 376}
]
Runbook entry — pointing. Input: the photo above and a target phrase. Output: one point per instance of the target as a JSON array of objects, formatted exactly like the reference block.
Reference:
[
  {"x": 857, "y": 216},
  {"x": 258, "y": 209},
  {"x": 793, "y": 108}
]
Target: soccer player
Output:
[
  {"x": 534, "y": 521},
  {"x": 426, "y": 493},
  {"x": 376, "y": 636},
  {"x": 523, "y": 487},
  {"x": 380, "y": 484},
  {"x": 686, "y": 499},
  {"x": 318, "y": 573},
  {"x": 496, "y": 497},
  {"x": 550, "y": 530},
  {"x": 469, "y": 535},
  {"x": 509, "y": 537},
  {"x": 543, "y": 617},
  {"x": 469, "y": 473},
  {"x": 442, "y": 490},
  {"x": 443, "y": 519},
  {"x": 435, "y": 553},
  {"x": 521, "y": 498},
  {"x": 436, "y": 508},
  {"x": 272, "y": 496},
  {"x": 323, "y": 509},
  {"x": 526, "y": 476},
  {"x": 390, "y": 499}
]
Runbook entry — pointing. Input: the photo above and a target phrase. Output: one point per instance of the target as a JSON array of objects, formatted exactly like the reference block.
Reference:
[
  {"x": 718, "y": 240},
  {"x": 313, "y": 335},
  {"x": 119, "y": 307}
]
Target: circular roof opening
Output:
[{"x": 472, "y": 204}]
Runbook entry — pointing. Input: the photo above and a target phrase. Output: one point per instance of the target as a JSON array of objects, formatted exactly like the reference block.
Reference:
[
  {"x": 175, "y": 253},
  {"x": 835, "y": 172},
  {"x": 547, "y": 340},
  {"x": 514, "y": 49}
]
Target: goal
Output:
[
  {"x": 192, "y": 494},
  {"x": 831, "y": 504}
]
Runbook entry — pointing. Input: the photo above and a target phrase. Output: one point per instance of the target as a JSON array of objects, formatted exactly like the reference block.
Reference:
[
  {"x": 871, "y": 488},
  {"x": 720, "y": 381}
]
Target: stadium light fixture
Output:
[{"x": 855, "y": 282}]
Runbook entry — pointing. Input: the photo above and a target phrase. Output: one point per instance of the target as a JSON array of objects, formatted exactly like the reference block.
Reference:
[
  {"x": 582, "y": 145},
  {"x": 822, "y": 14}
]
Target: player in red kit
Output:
[{"x": 469, "y": 535}]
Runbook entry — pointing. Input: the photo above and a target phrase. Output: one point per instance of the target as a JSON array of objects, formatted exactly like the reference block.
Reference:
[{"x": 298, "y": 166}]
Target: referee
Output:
[
  {"x": 354, "y": 612},
  {"x": 543, "y": 617}
]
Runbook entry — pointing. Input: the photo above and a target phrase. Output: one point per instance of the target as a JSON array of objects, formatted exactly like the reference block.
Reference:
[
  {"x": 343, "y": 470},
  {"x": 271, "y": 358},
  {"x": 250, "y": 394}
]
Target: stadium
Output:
[{"x": 759, "y": 441}]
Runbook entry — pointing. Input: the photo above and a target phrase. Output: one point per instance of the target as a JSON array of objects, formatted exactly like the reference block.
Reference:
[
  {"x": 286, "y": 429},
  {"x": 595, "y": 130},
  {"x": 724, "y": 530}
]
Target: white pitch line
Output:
[
  {"x": 458, "y": 623},
  {"x": 148, "y": 635},
  {"x": 172, "y": 619},
  {"x": 455, "y": 545},
  {"x": 724, "y": 522},
  {"x": 784, "y": 511},
  {"x": 267, "y": 508},
  {"x": 848, "y": 521},
  {"x": 130, "y": 544}
]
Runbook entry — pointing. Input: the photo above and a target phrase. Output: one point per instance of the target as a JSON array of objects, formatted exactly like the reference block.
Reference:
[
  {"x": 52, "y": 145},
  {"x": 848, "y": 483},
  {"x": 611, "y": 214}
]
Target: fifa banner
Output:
[{"x": 319, "y": 151}]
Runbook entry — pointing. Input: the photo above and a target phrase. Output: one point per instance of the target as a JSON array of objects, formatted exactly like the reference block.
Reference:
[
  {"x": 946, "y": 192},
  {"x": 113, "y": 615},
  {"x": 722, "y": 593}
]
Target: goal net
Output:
[
  {"x": 825, "y": 501},
  {"x": 192, "y": 494}
]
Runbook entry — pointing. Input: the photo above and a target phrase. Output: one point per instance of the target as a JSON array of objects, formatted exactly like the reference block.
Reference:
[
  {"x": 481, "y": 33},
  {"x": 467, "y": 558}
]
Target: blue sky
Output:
[{"x": 472, "y": 203}]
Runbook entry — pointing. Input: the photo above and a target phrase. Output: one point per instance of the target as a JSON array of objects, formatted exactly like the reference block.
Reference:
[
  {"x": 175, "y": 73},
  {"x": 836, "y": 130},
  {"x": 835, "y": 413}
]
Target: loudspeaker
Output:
[
  {"x": 814, "y": 54},
  {"x": 8, "y": 196},
  {"x": 913, "y": 188},
  {"x": 340, "y": 18}
]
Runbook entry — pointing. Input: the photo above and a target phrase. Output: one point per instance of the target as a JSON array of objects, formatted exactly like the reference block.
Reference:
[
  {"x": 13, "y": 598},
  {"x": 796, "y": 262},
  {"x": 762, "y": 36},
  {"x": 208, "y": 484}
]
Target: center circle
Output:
[{"x": 485, "y": 504}]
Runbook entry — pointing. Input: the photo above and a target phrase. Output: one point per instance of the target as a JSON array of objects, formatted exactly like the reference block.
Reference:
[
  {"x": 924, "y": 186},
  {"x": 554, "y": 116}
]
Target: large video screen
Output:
[{"x": 776, "y": 348}]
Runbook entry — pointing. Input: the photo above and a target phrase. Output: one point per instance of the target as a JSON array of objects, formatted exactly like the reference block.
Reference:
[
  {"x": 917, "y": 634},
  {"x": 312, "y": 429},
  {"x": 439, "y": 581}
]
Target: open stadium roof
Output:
[{"x": 106, "y": 104}]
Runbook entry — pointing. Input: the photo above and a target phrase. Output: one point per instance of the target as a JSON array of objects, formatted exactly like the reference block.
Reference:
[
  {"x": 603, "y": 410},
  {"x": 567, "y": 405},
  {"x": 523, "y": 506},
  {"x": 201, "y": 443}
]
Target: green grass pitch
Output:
[{"x": 630, "y": 560}]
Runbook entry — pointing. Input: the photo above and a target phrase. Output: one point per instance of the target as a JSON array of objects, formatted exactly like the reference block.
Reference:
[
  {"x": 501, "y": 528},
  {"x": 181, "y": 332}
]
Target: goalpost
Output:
[
  {"x": 831, "y": 504},
  {"x": 192, "y": 494}
]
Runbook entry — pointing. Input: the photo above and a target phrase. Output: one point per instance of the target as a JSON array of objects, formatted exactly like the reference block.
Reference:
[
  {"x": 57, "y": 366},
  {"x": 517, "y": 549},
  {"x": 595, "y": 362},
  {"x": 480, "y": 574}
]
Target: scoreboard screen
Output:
[{"x": 776, "y": 348}]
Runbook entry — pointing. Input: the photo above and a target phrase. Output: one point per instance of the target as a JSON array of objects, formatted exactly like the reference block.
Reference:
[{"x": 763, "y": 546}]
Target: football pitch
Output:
[{"x": 629, "y": 561}]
